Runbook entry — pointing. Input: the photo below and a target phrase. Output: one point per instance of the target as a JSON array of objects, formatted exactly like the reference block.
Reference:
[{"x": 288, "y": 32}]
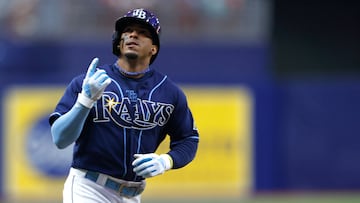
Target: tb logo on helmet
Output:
[{"x": 140, "y": 13}]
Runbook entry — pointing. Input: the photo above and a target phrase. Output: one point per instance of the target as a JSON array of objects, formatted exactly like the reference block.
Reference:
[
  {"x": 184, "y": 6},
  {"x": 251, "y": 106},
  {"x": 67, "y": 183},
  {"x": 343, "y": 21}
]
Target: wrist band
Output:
[
  {"x": 85, "y": 101},
  {"x": 168, "y": 161}
]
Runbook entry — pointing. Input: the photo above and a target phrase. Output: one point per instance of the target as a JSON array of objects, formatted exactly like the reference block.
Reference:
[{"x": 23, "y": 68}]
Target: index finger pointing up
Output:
[{"x": 92, "y": 67}]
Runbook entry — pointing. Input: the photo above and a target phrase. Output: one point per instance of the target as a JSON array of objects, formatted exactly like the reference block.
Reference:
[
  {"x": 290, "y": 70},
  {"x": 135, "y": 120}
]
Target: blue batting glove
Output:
[
  {"x": 94, "y": 84},
  {"x": 150, "y": 165}
]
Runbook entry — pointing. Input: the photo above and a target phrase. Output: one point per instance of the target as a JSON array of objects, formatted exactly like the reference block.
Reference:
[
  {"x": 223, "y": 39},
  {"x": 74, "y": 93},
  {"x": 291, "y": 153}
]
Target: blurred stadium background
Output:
[{"x": 274, "y": 86}]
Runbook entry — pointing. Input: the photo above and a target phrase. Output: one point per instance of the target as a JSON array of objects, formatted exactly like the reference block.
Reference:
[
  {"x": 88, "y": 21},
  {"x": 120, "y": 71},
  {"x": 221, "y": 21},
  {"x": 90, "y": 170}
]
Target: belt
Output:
[{"x": 123, "y": 188}]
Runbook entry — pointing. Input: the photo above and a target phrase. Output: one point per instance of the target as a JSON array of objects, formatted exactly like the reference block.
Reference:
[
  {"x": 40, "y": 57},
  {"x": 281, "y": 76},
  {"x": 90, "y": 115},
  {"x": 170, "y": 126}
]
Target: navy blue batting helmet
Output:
[{"x": 139, "y": 16}]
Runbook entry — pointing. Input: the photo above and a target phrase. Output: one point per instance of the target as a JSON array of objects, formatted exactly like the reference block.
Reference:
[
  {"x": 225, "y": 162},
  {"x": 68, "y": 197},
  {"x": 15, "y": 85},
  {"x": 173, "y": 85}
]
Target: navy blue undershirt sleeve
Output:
[{"x": 184, "y": 136}]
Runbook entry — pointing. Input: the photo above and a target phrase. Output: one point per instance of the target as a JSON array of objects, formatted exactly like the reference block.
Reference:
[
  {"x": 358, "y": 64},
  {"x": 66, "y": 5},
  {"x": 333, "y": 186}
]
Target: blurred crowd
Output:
[{"x": 91, "y": 19}]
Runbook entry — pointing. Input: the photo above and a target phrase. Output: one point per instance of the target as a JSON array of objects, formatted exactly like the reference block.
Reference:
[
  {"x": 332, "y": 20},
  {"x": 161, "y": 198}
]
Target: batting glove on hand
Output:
[
  {"x": 94, "y": 84},
  {"x": 149, "y": 165}
]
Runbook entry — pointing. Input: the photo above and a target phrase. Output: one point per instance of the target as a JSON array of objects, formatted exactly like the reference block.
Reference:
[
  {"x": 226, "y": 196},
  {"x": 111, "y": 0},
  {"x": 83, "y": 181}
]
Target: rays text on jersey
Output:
[{"x": 142, "y": 114}]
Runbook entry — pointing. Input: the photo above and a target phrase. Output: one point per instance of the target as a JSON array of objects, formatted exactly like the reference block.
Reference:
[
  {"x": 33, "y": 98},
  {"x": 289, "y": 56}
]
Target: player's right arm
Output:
[{"x": 67, "y": 127}]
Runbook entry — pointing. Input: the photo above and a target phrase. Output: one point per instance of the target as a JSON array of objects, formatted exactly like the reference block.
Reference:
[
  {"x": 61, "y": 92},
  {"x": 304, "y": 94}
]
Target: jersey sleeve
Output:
[
  {"x": 67, "y": 100},
  {"x": 184, "y": 136}
]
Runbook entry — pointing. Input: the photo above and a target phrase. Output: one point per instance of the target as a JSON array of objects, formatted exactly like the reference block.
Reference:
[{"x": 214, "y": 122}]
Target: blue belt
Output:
[{"x": 124, "y": 188}]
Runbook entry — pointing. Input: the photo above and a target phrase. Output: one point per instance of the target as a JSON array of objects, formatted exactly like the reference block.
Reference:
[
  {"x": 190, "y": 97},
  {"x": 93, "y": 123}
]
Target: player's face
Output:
[{"x": 136, "y": 43}]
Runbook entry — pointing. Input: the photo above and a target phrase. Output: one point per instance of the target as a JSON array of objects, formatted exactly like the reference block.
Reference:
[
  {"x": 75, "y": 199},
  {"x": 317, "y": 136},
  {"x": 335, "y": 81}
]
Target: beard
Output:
[{"x": 131, "y": 56}]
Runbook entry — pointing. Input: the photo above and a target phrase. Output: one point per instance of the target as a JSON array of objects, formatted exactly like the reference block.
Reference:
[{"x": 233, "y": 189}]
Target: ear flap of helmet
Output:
[{"x": 115, "y": 43}]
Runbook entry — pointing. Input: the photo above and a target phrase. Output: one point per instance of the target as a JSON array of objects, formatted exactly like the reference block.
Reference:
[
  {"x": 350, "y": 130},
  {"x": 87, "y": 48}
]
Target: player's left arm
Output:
[{"x": 184, "y": 138}]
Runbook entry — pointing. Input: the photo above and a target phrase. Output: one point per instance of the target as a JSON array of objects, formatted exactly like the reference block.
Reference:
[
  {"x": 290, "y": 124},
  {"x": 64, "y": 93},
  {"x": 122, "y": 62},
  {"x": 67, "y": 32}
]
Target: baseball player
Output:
[{"x": 118, "y": 114}]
